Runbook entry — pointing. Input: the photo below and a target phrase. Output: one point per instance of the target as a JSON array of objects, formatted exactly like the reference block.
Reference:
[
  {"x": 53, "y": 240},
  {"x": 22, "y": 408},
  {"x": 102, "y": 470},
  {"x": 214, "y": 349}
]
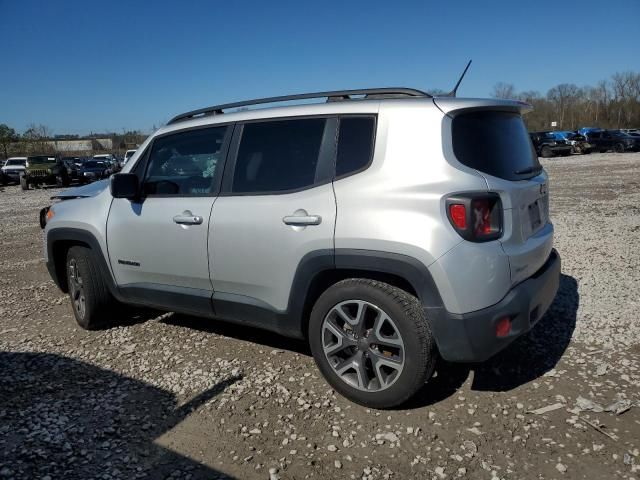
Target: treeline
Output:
[
  {"x": 613, "y": 103},
  {"x": 39, "y": 139}
]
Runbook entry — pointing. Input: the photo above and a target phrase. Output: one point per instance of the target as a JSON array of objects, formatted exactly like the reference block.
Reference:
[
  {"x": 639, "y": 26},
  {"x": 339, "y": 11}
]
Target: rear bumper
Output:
[{"x": 471, "y": 337}]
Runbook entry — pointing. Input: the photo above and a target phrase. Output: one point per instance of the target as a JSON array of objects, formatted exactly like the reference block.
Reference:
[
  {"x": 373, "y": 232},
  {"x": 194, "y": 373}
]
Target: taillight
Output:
[
  {"x": 458, "y": 214},
  {"x": 476, "y": 217}
]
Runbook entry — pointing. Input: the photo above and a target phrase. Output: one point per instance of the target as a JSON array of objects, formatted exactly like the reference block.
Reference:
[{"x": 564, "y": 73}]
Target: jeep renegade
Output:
[{"x": 384, "y": 226}]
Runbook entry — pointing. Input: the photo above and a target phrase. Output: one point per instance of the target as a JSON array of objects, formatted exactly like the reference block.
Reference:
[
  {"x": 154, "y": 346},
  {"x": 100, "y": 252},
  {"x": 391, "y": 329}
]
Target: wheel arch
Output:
[
  {"x": 59, "y": 241},
  {"x": 320, "y": 270}
]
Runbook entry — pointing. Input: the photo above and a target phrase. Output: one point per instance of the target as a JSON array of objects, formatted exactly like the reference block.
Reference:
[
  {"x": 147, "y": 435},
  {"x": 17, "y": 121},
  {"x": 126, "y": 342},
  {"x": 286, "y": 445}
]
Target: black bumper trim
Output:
[{"x": 470, "y": 337}]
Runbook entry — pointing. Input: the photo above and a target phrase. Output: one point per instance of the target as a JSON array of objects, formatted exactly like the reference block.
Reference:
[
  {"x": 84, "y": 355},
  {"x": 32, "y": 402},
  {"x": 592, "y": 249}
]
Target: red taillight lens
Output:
[
  {"x": 503, "y": 327},
  {"x": 477, "y": 217},
  {"x": 458, "y": 215}
]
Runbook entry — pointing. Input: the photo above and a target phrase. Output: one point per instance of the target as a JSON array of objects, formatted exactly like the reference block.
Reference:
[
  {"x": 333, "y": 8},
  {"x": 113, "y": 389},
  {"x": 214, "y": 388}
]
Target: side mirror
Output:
[{"x": 124, "y": 185}]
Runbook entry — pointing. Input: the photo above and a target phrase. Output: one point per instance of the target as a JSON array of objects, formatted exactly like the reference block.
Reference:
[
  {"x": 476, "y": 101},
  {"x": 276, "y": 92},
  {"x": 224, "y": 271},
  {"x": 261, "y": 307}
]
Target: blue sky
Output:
[{"x": 94, "y": 66}]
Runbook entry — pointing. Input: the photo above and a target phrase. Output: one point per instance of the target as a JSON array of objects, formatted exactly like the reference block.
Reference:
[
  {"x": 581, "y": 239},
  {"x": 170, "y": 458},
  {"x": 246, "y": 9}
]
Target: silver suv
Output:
[{"x": 386, "y": 227}]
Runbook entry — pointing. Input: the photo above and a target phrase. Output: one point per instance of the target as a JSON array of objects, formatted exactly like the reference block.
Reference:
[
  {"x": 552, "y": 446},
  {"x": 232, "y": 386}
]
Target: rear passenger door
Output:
[{"x": 276, "y": 206}]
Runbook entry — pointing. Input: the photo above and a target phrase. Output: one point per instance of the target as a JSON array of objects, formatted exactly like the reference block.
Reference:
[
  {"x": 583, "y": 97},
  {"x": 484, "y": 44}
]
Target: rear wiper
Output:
[{"x": 536, "y": 169}]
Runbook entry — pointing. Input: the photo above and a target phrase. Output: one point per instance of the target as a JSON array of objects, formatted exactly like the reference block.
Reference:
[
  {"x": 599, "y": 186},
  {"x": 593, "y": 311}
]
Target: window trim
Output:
[
  {"x": 217, "y": 181},
  {"x": 326, "y": 156},
  {"x": 373, "y": 145}
]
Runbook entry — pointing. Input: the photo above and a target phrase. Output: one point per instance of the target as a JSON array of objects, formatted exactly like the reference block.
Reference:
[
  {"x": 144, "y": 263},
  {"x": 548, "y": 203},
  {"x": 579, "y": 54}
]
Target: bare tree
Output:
[
  {"x": 7, "y": 137},
  {"x": 504, "y": 90}
]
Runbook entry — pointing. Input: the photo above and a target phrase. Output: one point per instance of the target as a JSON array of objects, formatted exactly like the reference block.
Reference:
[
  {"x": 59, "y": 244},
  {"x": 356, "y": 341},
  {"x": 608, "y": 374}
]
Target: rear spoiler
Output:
[{"x": 451, "y": 104}]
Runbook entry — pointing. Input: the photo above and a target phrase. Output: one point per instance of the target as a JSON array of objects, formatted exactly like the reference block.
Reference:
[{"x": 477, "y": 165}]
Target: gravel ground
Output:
[{"x": 172, "y": 396}]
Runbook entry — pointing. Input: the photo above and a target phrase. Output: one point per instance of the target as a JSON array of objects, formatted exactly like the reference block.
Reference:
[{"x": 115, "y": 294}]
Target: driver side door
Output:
[{"x": 158, "y": 244}]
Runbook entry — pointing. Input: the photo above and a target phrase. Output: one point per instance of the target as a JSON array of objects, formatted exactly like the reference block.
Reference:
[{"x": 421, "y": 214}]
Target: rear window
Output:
[{"x": 496, "y": 143}]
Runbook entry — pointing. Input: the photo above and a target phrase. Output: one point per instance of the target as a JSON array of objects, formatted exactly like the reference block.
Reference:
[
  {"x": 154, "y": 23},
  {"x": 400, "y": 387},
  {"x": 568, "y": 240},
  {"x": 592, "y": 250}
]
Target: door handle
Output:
[
  {"x": 187, "y": 218},
  {"x": 302, "y": 220}
]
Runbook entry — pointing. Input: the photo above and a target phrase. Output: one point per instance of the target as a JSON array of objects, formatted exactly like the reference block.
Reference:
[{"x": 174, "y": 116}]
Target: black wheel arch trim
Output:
[
  {"x": 407, "y": 268},
  {"x": 250, "y": 311},
  {"x": 78, "y": 237}
]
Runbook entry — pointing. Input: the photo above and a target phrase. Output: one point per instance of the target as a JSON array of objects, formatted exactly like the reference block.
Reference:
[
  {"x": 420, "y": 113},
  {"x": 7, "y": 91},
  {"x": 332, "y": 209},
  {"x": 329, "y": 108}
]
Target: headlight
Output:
[{"x": 49, "y": 171}]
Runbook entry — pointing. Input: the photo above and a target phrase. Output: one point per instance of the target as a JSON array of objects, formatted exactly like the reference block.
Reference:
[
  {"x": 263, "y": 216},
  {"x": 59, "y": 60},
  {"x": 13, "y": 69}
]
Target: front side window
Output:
[
  {"x": 355, "y": 144},
  {"x": 277, "y": 156},
  {"x": 185, "y": 163}
]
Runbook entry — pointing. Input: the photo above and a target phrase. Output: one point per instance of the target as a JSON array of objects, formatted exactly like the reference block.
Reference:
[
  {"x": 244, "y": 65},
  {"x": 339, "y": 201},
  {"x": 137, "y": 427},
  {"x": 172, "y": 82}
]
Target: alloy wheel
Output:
[
  {"x": 363, "y": 345},
  {"x": 76, "y": 289}
]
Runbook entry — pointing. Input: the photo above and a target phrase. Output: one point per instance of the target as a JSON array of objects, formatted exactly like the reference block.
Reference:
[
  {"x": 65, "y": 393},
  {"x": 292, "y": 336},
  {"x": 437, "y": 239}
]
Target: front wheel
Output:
[
  {"x": 93, "y": 305},
  {"x": 618, "y": 148},
  {"x": 546, "y": 152},
  {"x": 372, "y": 342},
  {"x": 23, "y": 183}
]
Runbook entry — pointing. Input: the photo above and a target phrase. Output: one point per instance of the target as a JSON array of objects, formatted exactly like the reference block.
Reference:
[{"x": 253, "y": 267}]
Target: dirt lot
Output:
[{"x": 178, "y": 397}]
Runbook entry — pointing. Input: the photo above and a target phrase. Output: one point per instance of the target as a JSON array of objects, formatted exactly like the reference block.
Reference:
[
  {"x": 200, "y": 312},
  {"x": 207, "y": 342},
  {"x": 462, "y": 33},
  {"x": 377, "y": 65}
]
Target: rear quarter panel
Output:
[{"x": 396, "y": 204}]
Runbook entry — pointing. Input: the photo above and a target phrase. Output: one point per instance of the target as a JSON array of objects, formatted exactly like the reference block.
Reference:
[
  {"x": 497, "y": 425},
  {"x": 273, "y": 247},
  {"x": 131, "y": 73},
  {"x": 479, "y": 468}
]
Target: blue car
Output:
[
  {"x": 578, "y": 141},
  {"x": 585, "y": 131}
]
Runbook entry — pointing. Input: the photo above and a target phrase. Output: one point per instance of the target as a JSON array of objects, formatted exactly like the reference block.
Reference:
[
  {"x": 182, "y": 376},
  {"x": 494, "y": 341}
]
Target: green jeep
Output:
[{"x": 45, "y": 170}]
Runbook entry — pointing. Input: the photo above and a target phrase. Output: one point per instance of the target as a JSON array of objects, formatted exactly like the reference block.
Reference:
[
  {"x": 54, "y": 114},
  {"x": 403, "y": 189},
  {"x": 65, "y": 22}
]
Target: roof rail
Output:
[{"x": 333, "y": 96}]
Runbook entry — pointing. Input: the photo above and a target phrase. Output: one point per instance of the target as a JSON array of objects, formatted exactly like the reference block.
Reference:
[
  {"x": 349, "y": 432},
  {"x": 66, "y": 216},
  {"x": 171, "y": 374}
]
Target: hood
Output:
[
  {"x": 40, "y": 166},
  {"x": 93, "y": 169},
  {"x": 13, "y": 167},
  {"x": 90, "y": 190}
]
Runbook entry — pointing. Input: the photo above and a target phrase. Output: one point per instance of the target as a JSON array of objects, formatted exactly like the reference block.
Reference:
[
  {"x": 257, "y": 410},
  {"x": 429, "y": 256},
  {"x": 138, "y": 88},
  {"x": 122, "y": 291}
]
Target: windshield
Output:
[
  {"x": 15, "y": 162},
  {"x": 496, "y": 143},
  {"x": 93, "y": 164},
  {"x": 42, "y": 159}
]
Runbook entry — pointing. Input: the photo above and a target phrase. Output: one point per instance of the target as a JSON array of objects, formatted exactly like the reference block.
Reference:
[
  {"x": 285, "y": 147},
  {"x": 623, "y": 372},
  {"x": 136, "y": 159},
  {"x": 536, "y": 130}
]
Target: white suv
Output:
[
  {"x": 13, "y": 168},
  {"x": 384, "y": 226}
]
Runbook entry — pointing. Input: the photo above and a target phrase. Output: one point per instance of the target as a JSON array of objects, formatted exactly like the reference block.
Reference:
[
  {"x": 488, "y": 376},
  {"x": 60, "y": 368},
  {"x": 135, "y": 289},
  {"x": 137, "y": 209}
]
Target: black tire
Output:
[
  {"x": 23, "y": 183},
  {"x": 406, "y": 312},
  {"x": 546, "y": 152},
  {"x": 99, "y": 305},
  {"x": 618, "y": 148},
  {"x": 59, "y": 181}
]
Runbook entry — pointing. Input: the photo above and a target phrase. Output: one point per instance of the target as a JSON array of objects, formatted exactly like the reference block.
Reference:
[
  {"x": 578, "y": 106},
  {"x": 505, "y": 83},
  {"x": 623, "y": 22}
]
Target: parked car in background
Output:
[
  {"x": 578, "y": 142},
  {"x": 631, "y": 131},
  {"x": 13, "y": 168},
  {"x": 110, "y": 160},
  {"x": 585, "y": 131},
  {"x": 92, "y": 170},
  {"x": 605, "y": 140},
  {"x": 547, "y": 145},
  {"x": 45, "y": 170},
  {"x": 72, "y": 167}
]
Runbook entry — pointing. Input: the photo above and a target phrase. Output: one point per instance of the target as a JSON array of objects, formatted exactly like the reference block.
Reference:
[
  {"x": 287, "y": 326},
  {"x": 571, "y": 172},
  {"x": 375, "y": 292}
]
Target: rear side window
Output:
[
  {"x": 185, "y": 163},
  {"x": 278, "y": 156},
  {"x": 355, "y": 144},
  {"x": 496, "y": 143}
]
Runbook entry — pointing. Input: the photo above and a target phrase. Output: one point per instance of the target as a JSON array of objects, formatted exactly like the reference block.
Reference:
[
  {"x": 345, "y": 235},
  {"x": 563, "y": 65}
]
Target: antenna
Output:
[{"x": 453, "y": 92}]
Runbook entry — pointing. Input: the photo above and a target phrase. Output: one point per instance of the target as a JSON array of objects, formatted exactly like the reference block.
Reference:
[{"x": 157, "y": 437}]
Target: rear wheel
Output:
[
  {"x": 546, "y": 152},
  {"x": 372, "y": 342},
  {"x": 93, "y": 305},
  {"x": 23, "y": 183},
  {"x": 618, "y": 148}
]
